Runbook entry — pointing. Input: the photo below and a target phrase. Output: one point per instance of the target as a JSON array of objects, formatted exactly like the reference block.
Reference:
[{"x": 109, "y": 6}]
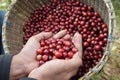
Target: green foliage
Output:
[
  {"x": 116, "y": 4},
  {"x": 114, "y": 78},
  {"x": 4, "y": 4},
  {"x": 98, "y": 76}
]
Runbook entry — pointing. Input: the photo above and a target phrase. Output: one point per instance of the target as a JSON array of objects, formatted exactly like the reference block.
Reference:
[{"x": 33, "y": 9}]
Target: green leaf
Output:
[{"x": 114, "y": 48}]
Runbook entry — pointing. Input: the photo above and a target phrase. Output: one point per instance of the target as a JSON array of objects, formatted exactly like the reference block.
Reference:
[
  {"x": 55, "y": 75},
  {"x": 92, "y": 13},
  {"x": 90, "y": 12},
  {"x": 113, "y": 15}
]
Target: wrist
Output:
[{"x": 18, "y": 68}]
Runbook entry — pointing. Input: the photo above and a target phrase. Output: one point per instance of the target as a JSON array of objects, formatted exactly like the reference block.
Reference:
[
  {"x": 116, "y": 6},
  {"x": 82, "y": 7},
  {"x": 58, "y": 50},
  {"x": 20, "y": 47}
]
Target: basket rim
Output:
[{"x": 104, "y": 59}]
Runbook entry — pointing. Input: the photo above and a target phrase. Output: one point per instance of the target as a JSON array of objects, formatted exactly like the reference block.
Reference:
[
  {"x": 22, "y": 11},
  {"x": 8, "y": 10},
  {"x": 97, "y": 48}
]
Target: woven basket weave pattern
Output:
[{"x": 20, "y": 10}]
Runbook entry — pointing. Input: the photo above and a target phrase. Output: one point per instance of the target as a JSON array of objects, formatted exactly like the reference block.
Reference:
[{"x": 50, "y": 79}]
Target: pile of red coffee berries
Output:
[
  {"x": 74, "y": 16},
  {"x": 55, "y": 49}
]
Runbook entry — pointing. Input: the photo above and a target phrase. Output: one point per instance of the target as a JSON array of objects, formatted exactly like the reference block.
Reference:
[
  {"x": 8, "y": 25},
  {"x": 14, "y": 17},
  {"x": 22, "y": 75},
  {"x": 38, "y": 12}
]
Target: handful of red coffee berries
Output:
[{"x": 55, "y": 49}]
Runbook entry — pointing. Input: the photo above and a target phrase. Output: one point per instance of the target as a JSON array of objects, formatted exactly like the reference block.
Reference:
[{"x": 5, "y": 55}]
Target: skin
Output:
[{"x": 24, "y": 63}]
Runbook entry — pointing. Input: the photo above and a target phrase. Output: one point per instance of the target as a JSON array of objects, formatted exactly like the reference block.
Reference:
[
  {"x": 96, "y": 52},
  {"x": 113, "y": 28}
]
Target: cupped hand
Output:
[
  {"x": 28, "y": 53},
  {"x": 24, "y": 62},
  {"x": 60, "y": 69}
]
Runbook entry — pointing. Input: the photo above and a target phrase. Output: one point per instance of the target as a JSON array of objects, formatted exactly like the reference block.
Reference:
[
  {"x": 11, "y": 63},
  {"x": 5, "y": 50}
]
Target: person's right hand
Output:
[
  {"x": 24, "y": 62},
  {"x": 60, "y": 69}
]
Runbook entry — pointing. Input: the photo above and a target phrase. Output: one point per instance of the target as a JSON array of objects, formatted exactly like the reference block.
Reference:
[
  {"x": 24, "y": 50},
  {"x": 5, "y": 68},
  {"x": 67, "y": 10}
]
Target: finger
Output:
[
  {"x": 77, "y": 40},
  {"x": 60, "y": 34},
  {"x": 43, "y": 35},
  {"x": 67, "y": 37},
  {"x": 76, "y": 61}
]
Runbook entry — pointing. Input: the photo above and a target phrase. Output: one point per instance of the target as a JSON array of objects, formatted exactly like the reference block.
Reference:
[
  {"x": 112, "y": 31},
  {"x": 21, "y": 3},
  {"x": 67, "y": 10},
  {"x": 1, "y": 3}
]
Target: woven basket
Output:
[{"x": 20, "y": 10}]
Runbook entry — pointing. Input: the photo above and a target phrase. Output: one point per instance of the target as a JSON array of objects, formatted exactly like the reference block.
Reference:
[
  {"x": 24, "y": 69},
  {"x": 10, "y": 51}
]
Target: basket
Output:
[{"x": 20, "y": 10}]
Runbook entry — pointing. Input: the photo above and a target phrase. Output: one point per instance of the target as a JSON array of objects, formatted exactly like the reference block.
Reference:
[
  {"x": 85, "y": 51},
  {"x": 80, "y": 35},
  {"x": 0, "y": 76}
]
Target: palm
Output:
[
  {"x": 28, "y": 53},
  {"x": 30, "y": 50},
  {"x": 63, "y": 67}
]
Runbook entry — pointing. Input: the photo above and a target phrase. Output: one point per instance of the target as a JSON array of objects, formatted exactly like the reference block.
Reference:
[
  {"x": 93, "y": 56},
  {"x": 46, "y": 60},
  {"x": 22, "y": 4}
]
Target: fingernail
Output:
[
  {"x": 65, "y": 30},
  {"x": 77, "y": 34}
]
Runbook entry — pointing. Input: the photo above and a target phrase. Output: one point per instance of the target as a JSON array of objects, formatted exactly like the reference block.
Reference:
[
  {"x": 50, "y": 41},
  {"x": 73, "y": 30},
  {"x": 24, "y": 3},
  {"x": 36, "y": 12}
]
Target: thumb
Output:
[
  {"x": 77, "y": 40},
  {"x": 76, "y": 61}
]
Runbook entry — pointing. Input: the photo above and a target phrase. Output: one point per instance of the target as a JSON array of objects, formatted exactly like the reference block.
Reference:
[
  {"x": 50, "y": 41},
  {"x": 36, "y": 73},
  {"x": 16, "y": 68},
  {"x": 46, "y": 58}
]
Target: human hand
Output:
[
  {"x": 24, "y": 62},
  {"x": 60, "y": 69}
]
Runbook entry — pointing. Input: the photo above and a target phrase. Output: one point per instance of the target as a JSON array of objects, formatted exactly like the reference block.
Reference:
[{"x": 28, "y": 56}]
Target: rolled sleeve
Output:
[{"x": 5, "y": 62}]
